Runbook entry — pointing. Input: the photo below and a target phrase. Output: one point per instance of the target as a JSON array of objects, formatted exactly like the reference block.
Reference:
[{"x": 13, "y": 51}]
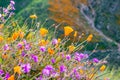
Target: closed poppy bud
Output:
[
  {"x": 33, "y": 16},
  {"x": 89, "y": 38},
  {"x": 102, "y": 68},
  {"x": 75, "y": 34},
  {"x": 67, "y": 30}
]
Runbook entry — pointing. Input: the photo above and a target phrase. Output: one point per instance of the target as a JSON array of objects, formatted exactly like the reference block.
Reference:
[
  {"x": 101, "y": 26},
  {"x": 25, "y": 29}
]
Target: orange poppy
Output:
[
  {"x": 11, "y": 77},
  {"x": 15, "y": 35},
  {"x": 21, "y": 34},
  {"x": 17, "y": 69},
  {"x": 67, "y": 30},
  {"x": 1, "y": 38},
  {"x": 4, "y": 56},
  {"x": 50, "y": 51},
  {"x": 43, "y": 42},
  {"x": 1, "y": 26},
  {"x": 71, "y": 47}
]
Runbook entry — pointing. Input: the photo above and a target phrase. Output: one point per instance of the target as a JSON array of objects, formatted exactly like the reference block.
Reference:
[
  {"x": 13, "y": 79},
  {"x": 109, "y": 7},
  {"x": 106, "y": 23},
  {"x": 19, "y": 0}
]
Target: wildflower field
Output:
[{"x": 32, "y": 50}]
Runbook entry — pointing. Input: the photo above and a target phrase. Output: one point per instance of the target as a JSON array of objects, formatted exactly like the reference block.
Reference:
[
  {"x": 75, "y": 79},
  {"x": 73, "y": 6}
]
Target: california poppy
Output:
[
  {"x": 17, "y": 69},
  {"x": 67, "y": 30},
  {"x": 21, "y": 34},
  {"x": 1, "y": 26},
  {"x": 50, "y": 51},
  {"x": 43, "y": 42},
  {"x": 1, "y": 38},
  {"x": 71, "y": 47},
  {"x": 15, "y": 35},
  {"x": 11, "y": 77}
]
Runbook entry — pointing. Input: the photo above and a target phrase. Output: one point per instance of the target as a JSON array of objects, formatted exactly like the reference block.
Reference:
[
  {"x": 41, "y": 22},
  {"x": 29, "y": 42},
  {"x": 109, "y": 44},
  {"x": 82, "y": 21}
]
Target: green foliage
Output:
[{"x": 24, "y": 8}]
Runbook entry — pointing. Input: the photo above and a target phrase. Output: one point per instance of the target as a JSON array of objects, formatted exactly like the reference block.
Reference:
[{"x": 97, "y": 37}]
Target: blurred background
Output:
[{"x": 98, "y": 17}]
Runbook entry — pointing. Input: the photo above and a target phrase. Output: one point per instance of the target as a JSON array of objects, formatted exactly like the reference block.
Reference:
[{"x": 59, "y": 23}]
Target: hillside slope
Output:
[{"x": 24, "y": 8}]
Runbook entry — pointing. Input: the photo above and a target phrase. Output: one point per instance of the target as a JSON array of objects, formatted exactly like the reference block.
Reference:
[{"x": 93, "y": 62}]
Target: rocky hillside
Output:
[
  {"x": 104, "y": 17},
  {"x": 101, "y": 16}
]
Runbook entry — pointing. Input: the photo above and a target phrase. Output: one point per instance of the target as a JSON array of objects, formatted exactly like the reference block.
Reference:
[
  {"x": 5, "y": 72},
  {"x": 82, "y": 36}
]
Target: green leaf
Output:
[{"x": 1, "y": 61}]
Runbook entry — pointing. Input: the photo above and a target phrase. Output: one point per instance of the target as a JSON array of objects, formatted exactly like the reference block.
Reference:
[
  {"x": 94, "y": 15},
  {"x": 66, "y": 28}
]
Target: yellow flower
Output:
[
  {"x": 81, "y": 71},
  {"x": 67, "y": 30},
  {"x": 11, "y": 77},
  {"x": 92, "y": 69},
  {"x": 1, "y": 38},
  {"x": 50, "y": 51},
  {"x": 9, "y": 39},
  {"x": 75, "y": 34},
  {"x": 102, "y": 68},
  {"x": 33, "y": 16},
  {"x": 71, "y": 47},
  {"x": 59, "y": 40},
  {"x": 17, "y": 69},
  {"x": 83, "y": 34},
  {"x": 29, "y": 36},
  {"x": 91, "y": 75},
  {"x": 89, "y": 38},
  {"x": 14, "y": 24},
  {"x": 43, "y": 31}
]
